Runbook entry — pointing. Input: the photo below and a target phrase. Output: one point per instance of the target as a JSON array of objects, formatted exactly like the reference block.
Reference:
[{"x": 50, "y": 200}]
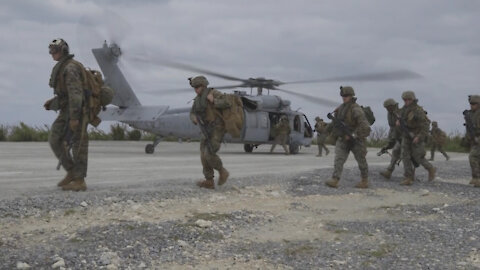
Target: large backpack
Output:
[
  {"x": 368, "y": 114},
  {"x": 232, "y": 114},
  {"x": 97, "y": 94}
]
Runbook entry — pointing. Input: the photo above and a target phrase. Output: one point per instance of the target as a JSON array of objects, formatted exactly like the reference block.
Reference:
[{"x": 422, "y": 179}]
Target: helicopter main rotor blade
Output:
[
  {"x": 162, "y": 62},
  {"x": 318, "y": 100},
  {"x": 381, "y": 76}
]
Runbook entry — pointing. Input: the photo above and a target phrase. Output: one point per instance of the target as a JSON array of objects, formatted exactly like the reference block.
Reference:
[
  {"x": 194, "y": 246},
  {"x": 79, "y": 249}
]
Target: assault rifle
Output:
[
  {"x": 383, "y": 151},
  {"x": 403, "y": 127},
  {"x": 344, "y": 129},
  {"x": 467, "y": 115},
  {"x": 205, "y": 132}
]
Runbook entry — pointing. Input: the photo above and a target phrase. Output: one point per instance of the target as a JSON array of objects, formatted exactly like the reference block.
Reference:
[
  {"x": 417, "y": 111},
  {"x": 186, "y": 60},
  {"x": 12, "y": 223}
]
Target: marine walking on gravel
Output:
[
  {"x": 206, "y": 113},
  {"x": 413, "y": 123},
  {"x": 472, "y": 124},
  {"x": 351, "y": 128},
  {"x": 69, "y": 130},
  {"x": 438, "y": 141},
  {"x": 394, "y": 137}
]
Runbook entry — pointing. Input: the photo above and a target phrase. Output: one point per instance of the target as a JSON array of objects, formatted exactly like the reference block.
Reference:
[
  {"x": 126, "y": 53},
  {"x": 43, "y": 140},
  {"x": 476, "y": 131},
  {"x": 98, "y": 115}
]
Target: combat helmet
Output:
[
  {"x": 389, "y": 102},
  {"x": 198, "y": 81},
  {"x": 318, "y": 119},
  {"x": 435, "y": 123},
  {"x": 347, "y": 91},
  {"x": 474, "y": 99},
  {"x": 58, "y": 45},
  {"x": 408, "y": 95}
]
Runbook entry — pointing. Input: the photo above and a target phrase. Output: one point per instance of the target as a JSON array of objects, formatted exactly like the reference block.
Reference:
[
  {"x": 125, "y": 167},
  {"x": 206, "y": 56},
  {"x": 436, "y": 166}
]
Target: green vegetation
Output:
[{"x": 25, "y": 133}]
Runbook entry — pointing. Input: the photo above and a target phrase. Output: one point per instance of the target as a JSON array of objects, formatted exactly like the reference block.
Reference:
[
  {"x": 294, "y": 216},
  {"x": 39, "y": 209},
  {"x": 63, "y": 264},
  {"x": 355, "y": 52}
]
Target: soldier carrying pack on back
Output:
[
  {"x": 351, "y": 127},
  {"x": 206, "y": 112}
]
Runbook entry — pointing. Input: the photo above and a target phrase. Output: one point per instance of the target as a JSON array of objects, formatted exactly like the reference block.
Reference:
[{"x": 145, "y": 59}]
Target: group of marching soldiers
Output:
[{"x": 408, "y": 134}]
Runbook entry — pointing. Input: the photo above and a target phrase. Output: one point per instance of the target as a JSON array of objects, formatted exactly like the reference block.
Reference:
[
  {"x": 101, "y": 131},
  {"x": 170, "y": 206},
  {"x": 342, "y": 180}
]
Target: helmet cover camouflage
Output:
[
  {"x": 346, "y": 91},
  {"x": 58, "y": 45},
  {"x": 198, "y": 81},
  {"x": 474, "y": 99},
  {"x": 434, "y": 123},
  {"x": 408, "y": 95},
  {"x": 389, "y": 102},
  {"x": 318, "y": 118}
]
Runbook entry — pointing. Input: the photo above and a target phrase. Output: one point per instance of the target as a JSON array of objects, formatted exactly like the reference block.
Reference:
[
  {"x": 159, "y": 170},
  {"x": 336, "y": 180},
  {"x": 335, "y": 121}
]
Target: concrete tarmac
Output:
[{"x": 28, "y": 168}]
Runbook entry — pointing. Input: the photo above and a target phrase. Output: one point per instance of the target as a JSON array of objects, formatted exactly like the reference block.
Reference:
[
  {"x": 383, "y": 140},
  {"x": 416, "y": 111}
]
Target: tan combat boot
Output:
[
  {"x": 472, "y": 181},
  {"x": 223, "y": 176},
  {"x": 332, "y": 182},
  {"x": 431, "y": 173},
  {"x": 476, "y": 183},
  {"x": 387, "y": 174},
  {"x": 362, "y": 184},
  {"x": 67, "y": 179},
  {"x": 207, "y": 183},
  {"x": 408, "y": 181},
  {"x": 76, "y": 185}
]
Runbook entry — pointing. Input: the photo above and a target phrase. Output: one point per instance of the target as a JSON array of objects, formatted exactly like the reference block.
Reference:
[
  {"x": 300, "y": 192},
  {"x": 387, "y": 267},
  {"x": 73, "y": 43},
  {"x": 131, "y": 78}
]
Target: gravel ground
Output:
[{"x": 262, "y": 222}]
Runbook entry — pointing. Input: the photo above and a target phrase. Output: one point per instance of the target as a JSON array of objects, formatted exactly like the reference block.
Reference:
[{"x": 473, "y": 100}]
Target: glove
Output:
[{"x": 74, "y": 123}]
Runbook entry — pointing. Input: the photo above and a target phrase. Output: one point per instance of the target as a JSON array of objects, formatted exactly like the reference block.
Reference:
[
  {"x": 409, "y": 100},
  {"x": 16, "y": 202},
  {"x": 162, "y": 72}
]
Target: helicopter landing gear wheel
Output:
[
  {"x": 248, "y": 148},
  {"x": 149, "y": 148},
  {"x": 293, "y": 149}
]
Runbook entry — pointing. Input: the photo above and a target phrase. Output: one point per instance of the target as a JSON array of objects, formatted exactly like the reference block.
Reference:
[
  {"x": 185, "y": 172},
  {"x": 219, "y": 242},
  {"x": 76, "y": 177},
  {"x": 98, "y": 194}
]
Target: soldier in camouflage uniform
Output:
[
  {"x": 474, "y": 156},
  {"x": 414, "y": 126},
  {"x": 321, "y": 128},
  {"x": 67, "y": 81},
  {"x": 438, "y": 140},
  {"x": 352, "y": 115},
  {"x": 282, "y": 132},
  {"x": 206, "y": 112},
  {"x": 394, "y": 137}
]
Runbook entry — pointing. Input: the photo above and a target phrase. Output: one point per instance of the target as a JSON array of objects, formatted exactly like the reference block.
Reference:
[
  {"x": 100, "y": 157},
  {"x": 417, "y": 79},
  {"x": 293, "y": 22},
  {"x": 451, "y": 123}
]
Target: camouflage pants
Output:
[
  {"x": 281, "y": 139},
  {"x": 413, "y": 151},
  {"x": 474, "y": 158},
  {"x": 342, "y": 149},
  {"x": 211, "y": 161},
  {"x": 436, "y": 146},
  {"x": 396, "y": 154},
  {"x": 78, "y": 162},
  {"x": 321, "y": 144}
]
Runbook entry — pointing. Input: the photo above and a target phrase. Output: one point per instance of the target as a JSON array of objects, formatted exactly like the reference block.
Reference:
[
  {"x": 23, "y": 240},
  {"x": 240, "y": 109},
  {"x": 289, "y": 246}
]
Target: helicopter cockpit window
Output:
[{"x": 296, "y": 123}]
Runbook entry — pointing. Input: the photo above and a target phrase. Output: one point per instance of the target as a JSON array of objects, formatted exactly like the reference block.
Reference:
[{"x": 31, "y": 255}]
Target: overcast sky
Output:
[{"x": 277, "y": 39}]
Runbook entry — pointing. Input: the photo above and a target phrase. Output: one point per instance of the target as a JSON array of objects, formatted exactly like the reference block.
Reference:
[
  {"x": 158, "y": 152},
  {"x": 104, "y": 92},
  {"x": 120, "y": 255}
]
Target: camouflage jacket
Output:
[
  {"x": 68, "y": 88},
  {"x": 394, "y": 133},
  {"x": 352, "y": 115},
  {"x": 211, "y": 112},
  {"x": 282, "y": 128},
  {"x": 321, "y": 127},
  {"x": 476, "y": 122},
  {"x": 415, "y": 120},
  {"x": 438, "y": 135}
]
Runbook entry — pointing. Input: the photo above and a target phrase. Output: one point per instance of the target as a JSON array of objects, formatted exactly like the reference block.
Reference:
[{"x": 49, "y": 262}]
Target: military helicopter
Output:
[{"x": 261, "y": 112}]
